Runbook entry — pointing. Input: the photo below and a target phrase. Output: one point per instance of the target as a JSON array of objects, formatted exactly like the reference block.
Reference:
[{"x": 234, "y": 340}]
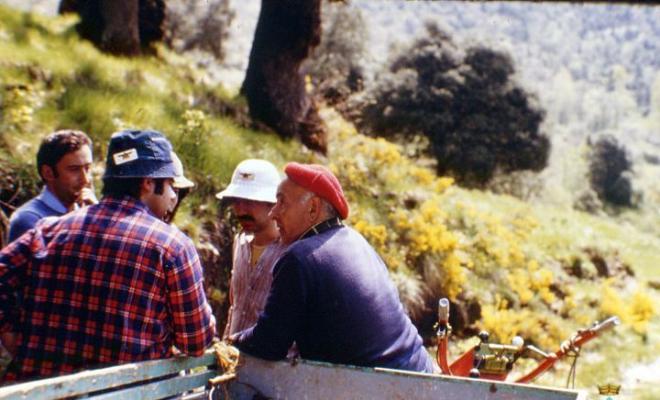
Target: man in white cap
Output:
[{"x": 251, "y": 194}]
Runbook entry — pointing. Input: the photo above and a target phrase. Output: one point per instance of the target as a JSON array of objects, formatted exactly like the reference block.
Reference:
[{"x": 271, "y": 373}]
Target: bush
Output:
[
  {"x": 18, "y": 183},
  {"x": 524, "y": 185},
  {"x": 610, "y": 169},
  {"x": 478, "y": 121},
  {"x": 334, "y": 68},
  {"x": 202, "y": 25}
]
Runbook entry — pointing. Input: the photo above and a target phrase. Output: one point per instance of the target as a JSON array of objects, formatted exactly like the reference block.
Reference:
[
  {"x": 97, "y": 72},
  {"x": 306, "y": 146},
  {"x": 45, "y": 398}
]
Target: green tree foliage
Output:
[
  {"x": 334, "y": 67},
  {"x": 610, "y": 170},
  {"x": 477, "y": 119}
]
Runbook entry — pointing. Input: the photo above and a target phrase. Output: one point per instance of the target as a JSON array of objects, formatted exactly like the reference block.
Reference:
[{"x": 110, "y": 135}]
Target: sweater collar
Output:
[{"x": 321, "y": 227}]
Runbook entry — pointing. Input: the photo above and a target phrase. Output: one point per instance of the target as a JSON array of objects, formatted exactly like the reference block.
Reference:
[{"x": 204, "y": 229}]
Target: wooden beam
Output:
[{"x": 92, "y": 380}]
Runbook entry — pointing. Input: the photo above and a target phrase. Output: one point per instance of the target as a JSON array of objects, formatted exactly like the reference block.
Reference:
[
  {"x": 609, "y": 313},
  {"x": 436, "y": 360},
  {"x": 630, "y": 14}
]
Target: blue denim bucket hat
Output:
[{"x": 139, "y": 154}]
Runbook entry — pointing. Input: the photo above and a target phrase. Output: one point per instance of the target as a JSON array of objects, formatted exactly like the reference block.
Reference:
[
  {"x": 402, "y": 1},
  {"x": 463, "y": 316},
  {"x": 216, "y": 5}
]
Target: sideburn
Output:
[{"x": 159, "y": 189}]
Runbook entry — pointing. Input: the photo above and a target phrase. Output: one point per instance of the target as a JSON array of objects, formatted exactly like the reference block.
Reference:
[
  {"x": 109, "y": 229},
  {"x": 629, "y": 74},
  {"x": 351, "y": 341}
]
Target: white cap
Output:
[
  {"x": 253, "y": 180},
  {"x": 180, "y": 181}
]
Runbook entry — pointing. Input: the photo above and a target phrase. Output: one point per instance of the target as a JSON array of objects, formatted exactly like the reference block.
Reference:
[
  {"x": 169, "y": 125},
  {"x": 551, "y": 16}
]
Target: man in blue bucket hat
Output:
[{"x": 110, "y": 283}]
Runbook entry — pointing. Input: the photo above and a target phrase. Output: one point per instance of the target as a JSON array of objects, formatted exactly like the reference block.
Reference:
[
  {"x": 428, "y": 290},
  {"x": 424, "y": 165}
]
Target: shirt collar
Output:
[
  {"x": 127, "y": 202},
  {"x": 245, "y": 237},
  {"x": 52, "y": 201},
  {"x": 321, "y": 227}
]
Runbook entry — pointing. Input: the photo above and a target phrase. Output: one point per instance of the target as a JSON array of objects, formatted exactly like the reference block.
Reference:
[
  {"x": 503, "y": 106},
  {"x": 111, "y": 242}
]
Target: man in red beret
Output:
[{"x": 331, "y": 292}]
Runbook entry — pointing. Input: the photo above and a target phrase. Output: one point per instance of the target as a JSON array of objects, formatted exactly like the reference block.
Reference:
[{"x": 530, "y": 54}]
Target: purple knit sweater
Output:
[{"x": 332, "y": 295}]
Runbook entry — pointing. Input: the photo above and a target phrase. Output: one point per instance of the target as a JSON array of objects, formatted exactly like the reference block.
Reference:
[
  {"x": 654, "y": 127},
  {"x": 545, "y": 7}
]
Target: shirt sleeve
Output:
[
  {"x": 21, "y": 223},
  {"x": 230, "y": 312},
  {"x": 13, "y": 263},
  {"x": 278, "y": 325},
  {"x": 193, "y": 321}
]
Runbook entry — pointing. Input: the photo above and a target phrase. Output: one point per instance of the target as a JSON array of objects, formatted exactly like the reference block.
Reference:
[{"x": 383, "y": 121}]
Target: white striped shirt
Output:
[{"x": 249, "y": 284}]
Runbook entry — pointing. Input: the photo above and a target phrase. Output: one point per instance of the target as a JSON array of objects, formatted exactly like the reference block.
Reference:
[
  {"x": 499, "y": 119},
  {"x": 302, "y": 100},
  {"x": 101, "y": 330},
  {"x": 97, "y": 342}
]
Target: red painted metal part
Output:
[
  {"x": 442, "y": 355},
  {"x": 462, "y": 365},
  {"x": 580, "y": 339}
]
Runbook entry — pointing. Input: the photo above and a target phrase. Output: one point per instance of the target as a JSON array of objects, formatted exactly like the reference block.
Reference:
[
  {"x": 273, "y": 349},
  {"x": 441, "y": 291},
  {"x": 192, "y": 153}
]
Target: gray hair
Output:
[{"x": 328, "y": 208}]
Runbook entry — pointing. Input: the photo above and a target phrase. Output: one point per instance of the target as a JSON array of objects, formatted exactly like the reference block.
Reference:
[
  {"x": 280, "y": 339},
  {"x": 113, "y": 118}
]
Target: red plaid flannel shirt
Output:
[{"x": 106, "y": 284}]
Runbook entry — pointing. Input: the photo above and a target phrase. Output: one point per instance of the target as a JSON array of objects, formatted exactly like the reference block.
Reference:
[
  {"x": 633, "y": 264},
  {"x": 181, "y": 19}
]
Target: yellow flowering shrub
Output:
[
  {"x": 496, "y": 241},
  {"x": 636, "y": 312},
  {"x": 420, "y": 231},
  {"x": 504, "y": 323},
  {"x": 542, "y": 279},
  {"x": 18, "y": 106},
  {"x": 412, "y": 239},
  {"x": 375, "y": 234},
  {"x": 520, "y": 283},
  {"x": 424, "y": 235},
  {"x": 424, "y": 229},
  {"x": 641, "y": 310},
  {"x": 531, "y": 281},
  {"x": 430, "y": 234}
]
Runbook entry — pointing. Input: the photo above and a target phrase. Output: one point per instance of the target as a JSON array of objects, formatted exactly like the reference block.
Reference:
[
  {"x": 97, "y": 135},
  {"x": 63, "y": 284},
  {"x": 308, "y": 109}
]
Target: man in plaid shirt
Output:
[{"x": 110, "y": 283}]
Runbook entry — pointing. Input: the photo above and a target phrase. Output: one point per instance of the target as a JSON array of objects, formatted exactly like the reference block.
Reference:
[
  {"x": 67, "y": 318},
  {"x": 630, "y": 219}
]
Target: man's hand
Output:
[
  {"x": 87, "y": 197},
  {"x": 231, "y": 339},
  {"x": 8, "y": 340}
]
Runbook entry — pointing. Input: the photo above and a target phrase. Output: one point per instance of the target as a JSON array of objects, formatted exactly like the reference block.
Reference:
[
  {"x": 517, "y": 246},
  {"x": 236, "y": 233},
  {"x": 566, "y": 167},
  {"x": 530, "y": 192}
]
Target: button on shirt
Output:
[
  {"x": 27, "y": 216},
  {"x": 109, "y": 283}
]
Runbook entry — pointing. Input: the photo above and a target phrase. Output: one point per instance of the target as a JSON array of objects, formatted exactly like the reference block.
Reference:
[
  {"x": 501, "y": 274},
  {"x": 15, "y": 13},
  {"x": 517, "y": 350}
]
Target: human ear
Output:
[
  {"x": 314, "y": 208},
  {"x": 147, "y": 186},
  {"x": 47, "y": 173}
]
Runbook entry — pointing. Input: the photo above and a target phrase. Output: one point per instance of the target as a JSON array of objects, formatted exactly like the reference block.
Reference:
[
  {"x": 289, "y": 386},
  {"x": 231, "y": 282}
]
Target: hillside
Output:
[
  {"x": 593, "y": 68},
  {"x": 536, "y": 270}
]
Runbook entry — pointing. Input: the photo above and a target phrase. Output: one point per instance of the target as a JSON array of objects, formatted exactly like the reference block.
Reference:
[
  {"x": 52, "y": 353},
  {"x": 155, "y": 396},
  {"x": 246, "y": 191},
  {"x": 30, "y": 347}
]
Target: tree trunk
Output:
[
  {"x": 68, "y": 6},
  {"x": 274, "y": 86},
  {"x": 124, "y": 27},
  {"x": 121, "y": 34}
]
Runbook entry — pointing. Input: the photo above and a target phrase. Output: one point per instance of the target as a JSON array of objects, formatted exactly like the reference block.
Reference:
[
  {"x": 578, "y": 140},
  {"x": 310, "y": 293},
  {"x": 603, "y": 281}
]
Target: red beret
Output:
[{"x": 319, "y": 180}]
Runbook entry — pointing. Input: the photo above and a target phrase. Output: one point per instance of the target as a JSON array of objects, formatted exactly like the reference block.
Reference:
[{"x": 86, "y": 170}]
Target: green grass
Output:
[
  {"x": 562, "y": 234},
  {"x": 78, "y": 87}
]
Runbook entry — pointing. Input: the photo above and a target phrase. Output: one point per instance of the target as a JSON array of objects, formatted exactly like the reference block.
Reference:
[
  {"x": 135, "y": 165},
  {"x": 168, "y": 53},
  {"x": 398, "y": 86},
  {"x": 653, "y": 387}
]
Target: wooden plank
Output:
[
  {"x": 160, "y": 389},
  {"x": 104, "y": 378},
  {"x": 201, "y": 395},
  {"x": 306, "y": 379}
]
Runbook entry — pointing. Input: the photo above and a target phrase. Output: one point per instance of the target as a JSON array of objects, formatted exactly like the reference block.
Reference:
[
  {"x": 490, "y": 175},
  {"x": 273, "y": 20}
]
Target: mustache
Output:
[{"x": 245, "y": 218}]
